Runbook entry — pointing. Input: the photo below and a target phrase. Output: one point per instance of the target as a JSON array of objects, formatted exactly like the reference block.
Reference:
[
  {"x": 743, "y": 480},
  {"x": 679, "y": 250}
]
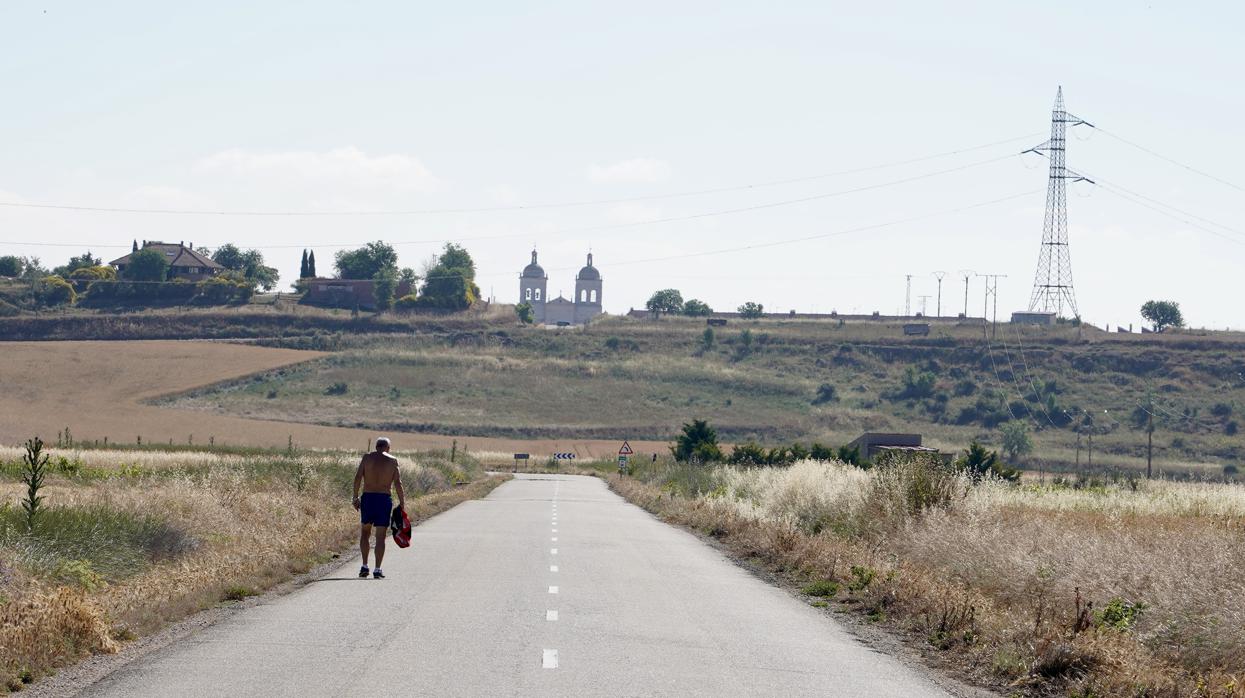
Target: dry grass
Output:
[
  {"x": 98, "y": 389},
  {"x": 1012, "y": 585},
  {"x": 65, "y": 597}
]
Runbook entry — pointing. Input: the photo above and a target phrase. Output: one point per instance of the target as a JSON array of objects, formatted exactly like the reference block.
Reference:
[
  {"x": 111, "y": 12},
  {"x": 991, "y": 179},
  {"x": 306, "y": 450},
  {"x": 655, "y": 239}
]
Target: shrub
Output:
[
  {"x": 965, "y": 387},
  {"x": 53, "y": 290},
  {"x": 524, "y": 312},
  {"x": 410, "y": 302},
  {"x": 94, "y": 273},
  {"x": 338, "y": 388},
  {"x": 219, "y": 290},
  {"x": 907, "y": 484},
  {"x": 1230, "y": 428},
  {"x": 1119, "y": 614},
  {"x": 698, "y": 443},
  {"x": 916, "y": 385},
  {"x": 1221, "y": 409},
  {"x": 977, "y": 463},
  {"x": 748, "y": 454},
  {"x": 825, "y": 393}
]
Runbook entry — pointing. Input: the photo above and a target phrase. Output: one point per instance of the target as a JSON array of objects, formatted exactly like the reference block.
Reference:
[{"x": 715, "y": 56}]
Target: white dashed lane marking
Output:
[
  {"x": 553, "y": 568},
  {"x": 553, "y": 590},
  {"x": 550, "y": 660},
  {"x": 553, "y": 551},
  {"x": 551, "y": 615}
]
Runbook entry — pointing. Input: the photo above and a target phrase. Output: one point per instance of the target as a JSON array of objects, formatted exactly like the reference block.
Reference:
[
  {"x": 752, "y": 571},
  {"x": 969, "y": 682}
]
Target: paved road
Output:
[{"x": 551, "y": 586}]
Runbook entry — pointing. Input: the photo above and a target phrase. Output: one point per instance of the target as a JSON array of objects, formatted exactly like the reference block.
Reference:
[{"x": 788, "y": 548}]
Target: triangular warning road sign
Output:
[{"x": 625, "y": 450}]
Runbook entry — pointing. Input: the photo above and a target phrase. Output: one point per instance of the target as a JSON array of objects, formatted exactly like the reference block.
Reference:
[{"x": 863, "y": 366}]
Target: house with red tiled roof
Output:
[{"x": 184, "y": 262}]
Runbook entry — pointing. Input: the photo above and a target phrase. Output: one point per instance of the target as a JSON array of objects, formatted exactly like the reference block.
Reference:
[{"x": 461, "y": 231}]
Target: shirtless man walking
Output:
[{"x": 377, "y": 473}]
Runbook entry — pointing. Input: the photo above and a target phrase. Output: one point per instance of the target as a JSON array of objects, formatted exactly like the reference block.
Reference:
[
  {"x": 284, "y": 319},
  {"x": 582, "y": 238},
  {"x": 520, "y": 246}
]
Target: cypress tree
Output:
[
  {"x": 135, "y": 248},
  {"x": 311, "y": 264},
  {"x": 302, "y": 271}
]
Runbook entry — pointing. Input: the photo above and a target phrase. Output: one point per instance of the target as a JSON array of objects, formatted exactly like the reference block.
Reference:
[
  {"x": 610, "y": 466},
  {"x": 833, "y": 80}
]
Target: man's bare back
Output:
[{"x": 380, "y": 472}]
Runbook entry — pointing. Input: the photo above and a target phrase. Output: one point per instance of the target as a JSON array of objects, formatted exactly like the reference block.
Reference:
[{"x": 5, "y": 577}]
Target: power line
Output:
[
  {"x": 1177, "y": 163},
  {"x": 514, "y": 207},
  {"x": 617, "y": 226}
]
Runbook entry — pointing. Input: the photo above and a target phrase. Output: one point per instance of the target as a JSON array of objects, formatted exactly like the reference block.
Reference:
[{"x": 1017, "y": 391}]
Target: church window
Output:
[
  {"x": 592, "y": 297},
  {"x": 538, "y": 294},
  {"x": 583, "y": 296},
  {"x": 527, "y": 295}
]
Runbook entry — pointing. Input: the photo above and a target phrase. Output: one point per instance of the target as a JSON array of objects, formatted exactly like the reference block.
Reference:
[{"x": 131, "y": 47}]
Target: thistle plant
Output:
[{"x": 34, "y": 468}]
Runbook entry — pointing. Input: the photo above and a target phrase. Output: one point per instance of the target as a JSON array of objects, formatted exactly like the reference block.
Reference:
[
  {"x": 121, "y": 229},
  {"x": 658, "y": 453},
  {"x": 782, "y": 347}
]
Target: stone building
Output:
[{"x": 578, "y": 310}]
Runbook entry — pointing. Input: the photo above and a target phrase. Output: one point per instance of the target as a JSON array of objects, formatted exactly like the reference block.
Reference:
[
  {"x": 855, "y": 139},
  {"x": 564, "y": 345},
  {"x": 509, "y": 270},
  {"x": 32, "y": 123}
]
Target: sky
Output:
[{"x": 738, "y": 151}]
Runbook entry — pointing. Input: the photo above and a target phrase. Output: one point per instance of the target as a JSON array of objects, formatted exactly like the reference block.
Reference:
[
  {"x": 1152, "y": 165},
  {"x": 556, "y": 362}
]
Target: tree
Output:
[
  {"x": 365, "y": 262},
  {"x": 302, "y": 269},
  {"x": 696, "y": 308},
  {"x": 311, "y": 264},
  {"x": 147, "y": 265},
  {"x": 408, "y": 276},
  {"x": 33, "y": 269},
  {"x": 751, "y": 310},
  {"x": 1016, "y": 441},
  {"x": 706, "y": 339},
  {"x": 82, "y": 261},
  {"x": 249, "y": 263},
  {"x": 450, "y": 283},
  {"x": 698, "y": 443},
  {"x": 977, "y": 462},
  {"x": 667, "y": 300},
  {"x": 1162, "y": 314},
  {"x": 524, "y": 312},
  {"x": 11, "y": 266},
  {"x": 385, "y": 283}
]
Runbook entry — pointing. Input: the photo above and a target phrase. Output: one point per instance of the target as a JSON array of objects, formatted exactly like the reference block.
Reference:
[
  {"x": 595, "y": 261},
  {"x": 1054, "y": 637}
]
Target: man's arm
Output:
[
  {"x": 358, "y": 482},
  {"x": 397, "y": 484}
]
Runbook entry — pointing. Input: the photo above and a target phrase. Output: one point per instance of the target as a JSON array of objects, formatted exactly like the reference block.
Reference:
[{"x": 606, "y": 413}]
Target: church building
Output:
[{"x": 578, "y": 310}]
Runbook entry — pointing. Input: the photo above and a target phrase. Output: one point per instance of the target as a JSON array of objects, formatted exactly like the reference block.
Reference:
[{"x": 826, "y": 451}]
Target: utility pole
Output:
[
  {"x": 907, "y": 298},
  {"x": 992, "y": 289},
  {"x": 938, "y": 275},
  {"x": 1149, "y": 444},
  {"x": 967, "y": 274}
]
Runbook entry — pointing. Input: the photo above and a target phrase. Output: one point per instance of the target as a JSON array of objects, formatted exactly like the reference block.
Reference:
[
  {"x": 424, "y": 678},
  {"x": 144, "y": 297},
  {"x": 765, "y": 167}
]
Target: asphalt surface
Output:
[{"x": 551, "y": 586}]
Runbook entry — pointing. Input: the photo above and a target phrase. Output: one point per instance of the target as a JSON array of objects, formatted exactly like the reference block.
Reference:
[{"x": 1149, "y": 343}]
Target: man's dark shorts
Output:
[{"x": 374, "y": 509}]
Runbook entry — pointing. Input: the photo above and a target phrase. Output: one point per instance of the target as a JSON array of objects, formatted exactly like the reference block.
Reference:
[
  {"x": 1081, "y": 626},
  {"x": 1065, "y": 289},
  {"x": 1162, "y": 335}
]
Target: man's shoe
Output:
[
  {"x": 377, "y": 574},
  {"x": 363, "y": 572}
]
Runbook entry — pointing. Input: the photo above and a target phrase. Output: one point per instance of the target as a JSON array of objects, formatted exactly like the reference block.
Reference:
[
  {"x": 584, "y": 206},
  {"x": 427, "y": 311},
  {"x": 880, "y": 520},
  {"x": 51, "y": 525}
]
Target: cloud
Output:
[
  {"x": 634, "y": 170},
  {"x": 341, "y": 166}
]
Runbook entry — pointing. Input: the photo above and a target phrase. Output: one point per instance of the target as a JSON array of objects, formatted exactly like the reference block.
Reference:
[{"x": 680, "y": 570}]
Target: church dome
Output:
[
  {"x": 533, "y": 270},
  {"x": 589, "y": 272}
]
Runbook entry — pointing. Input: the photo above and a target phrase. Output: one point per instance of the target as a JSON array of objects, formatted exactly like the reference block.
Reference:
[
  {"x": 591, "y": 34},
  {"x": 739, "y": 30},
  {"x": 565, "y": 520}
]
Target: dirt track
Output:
[{"x": 97, "y": 389}]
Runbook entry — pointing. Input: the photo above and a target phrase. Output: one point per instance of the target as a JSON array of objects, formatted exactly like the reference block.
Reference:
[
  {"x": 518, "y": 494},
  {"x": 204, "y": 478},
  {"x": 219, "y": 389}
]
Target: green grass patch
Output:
[
  {"x": 90, "y": 545},
  {"x": 823, "y": 588}
]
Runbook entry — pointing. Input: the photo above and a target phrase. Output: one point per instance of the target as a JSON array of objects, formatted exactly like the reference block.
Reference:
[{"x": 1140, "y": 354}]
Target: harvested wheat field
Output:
[{"x": 98, "y": 391}]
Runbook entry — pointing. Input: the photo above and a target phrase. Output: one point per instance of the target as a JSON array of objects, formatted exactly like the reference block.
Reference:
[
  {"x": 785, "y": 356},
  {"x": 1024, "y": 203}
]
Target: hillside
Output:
[{"x": 774, "y": 381}]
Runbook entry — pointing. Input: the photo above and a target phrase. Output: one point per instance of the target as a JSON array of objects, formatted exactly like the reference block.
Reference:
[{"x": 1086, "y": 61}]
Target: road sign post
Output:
[
  {"x": 623, "y": 454},
  {"x": 519, "y": 457}
]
